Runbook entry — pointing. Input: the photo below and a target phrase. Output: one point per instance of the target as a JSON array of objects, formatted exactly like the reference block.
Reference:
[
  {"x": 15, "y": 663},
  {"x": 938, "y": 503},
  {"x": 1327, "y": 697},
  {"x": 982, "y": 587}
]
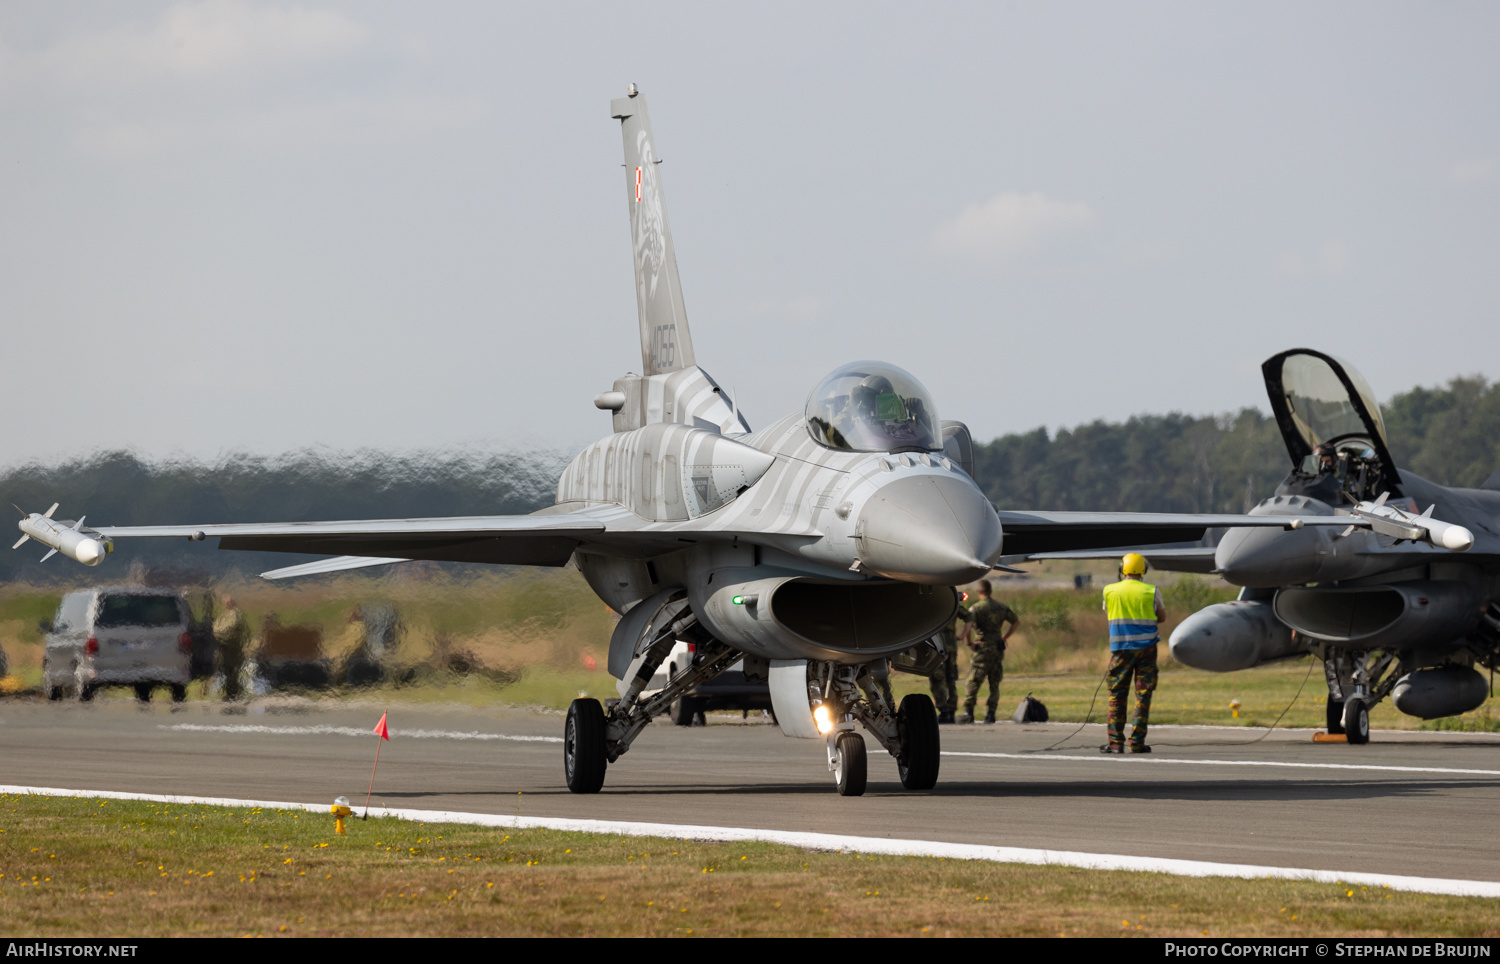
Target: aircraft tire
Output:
[
  {"x": 86, "y": 692},
  {"x": 143, "y": 692},
  {"x": 921, "y": 748},
  {"x": 584, "y": 760},
  {"x": 852, "y": 770},
  {"x": 179, "y": 693},
  {"x": 683, "y": 709},
  {"x": 1335, "y": 716},
  {"x": 1357, "y": 722}
]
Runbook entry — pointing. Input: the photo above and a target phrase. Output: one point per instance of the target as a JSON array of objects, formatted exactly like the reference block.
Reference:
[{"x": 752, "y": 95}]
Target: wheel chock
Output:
[{"x": 1321, "y": 737}]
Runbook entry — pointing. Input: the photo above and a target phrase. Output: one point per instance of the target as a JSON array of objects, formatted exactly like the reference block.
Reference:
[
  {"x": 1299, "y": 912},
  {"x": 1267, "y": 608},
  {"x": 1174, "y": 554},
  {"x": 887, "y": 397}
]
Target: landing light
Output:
[{"x": 823, "y": 717}]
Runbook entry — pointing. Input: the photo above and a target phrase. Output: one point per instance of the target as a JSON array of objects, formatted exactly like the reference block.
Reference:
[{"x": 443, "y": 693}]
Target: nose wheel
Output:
[
  {"x": 846, "y": 758},
  {"x": 1357, "y": 721}
]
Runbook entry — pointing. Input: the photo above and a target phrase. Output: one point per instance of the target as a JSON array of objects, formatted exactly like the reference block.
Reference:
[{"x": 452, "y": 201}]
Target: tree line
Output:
[
  {"x": 1226, "y": 463},
  {"x": 1157, "y": 463}
]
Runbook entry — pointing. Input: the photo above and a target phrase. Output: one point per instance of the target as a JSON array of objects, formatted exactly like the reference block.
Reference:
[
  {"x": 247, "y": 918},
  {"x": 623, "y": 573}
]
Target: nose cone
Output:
[
  {"x": 1264, "y": 558},
  {"x": 931, "y": 529},
  {"x": 90, "y": 552}
]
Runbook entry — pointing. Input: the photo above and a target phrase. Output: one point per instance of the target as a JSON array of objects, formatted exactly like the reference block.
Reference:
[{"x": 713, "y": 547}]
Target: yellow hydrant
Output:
[
  {"x": 340, "y": 809},
  {"x": 1234, "y": 707}
]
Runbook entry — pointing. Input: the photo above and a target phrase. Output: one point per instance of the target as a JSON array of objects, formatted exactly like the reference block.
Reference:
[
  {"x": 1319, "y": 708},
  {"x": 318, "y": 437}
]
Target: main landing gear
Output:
[{"x": 595, "y": 737}]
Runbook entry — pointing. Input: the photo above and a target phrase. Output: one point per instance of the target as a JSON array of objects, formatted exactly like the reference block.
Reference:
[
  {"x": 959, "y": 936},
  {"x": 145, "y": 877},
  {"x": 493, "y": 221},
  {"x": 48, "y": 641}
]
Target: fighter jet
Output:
[
  {"x": 1404, "y": 607},
  {"x": 810, "y": 552}
]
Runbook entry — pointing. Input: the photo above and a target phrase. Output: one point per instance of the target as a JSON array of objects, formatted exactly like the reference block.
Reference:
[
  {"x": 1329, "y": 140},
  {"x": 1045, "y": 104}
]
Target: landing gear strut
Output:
[{"x": 595, "y": 737}]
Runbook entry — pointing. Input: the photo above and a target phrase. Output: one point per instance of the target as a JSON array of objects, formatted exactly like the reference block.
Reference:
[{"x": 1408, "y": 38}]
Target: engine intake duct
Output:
[
  {"x": 866, "y": 620},
  {"x": 1397, "y": 616}
]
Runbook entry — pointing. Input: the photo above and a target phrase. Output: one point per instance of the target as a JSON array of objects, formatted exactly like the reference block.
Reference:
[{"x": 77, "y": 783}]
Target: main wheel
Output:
[
  {"x": 852, "y": 769},
  {"x": 584, "y": 759},
  {"x": 1335, "y": 716},
  {"x": 86, "y": 692},
  {"x": 143, "y": 692},
  {"x": 917, "y": 724},
  {"x": 683, "y": 709},
  {"x": 1357, "y": 721},
  {"x": 179, "y": 692}
]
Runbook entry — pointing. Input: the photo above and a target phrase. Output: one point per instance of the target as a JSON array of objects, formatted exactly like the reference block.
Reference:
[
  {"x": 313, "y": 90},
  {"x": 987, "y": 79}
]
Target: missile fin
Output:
[
  {"x": 49, "y": 555},
  {"x": 21, "y": 541},
  {"x": 48, "y": 513},
  {"x": 1383, "y": 496},
  {"x": 1428, "y": 513},
  {"x": 79, "y": 524}
]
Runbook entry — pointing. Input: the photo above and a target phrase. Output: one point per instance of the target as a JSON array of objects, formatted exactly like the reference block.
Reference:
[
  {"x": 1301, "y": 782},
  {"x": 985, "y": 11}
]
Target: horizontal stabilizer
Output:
[{"x": 339, "y": 564}]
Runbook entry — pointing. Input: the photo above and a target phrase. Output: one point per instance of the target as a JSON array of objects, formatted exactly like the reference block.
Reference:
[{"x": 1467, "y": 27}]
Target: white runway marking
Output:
[
  {"x": 1156, "y": 760},
  {"x": 840, "y": 843},
  {"x": 354, "y": 731}
]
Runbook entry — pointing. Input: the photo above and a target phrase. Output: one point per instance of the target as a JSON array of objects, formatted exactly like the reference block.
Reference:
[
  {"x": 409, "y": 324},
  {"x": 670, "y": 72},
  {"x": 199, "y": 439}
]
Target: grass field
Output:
[
  {"x": 541, "y": 638},
  {"x": 80, "y": 868}
]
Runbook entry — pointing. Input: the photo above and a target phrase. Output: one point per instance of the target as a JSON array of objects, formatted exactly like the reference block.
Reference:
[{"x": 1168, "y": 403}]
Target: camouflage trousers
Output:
[
  {"x": 944, "y": 683},
  {"x": 231, "y": 663},
  {"x": 988, "y": 665},
  {"x": 1140, "y": 663}
]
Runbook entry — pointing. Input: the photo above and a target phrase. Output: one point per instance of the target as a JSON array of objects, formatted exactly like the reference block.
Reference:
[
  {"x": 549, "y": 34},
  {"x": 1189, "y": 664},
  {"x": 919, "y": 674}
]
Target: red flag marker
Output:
[{"x": 382, "y": 731}]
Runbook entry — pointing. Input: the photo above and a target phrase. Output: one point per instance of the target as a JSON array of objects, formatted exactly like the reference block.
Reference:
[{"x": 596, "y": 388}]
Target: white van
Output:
[{"x": 118, "y": 636}]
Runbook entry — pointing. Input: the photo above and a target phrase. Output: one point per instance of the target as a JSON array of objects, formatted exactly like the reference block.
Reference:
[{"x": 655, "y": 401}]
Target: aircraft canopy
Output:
[
  {"x": 870, "y": 406},
  {"x": 1319, "y": 399}
]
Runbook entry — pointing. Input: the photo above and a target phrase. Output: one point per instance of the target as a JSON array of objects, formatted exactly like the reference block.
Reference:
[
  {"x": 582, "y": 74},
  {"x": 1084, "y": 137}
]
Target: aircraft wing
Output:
[
  {"x": 1028, "y": 533},
  {"x": 1190, "y": 559},
  {"x": 546, "y": 539}
]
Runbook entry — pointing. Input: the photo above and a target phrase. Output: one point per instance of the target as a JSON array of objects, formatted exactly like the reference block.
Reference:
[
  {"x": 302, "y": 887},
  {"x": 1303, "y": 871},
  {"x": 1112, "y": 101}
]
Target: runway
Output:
[{"x": 1410, "y": 804}]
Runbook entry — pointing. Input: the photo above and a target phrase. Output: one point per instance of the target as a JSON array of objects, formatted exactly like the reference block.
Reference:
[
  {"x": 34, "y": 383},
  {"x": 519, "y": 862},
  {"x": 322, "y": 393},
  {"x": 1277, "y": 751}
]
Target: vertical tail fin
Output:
[{"x": 666, "y": 345}]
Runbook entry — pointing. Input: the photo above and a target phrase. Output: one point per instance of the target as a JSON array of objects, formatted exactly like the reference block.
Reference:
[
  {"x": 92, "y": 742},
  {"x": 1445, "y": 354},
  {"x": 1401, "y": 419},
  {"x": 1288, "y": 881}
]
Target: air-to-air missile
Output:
[{"x": 62, "y": 535}]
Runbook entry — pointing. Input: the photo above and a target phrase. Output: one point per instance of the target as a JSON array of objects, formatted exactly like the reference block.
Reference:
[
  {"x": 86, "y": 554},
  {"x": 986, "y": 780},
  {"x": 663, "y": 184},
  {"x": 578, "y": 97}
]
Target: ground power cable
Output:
[{"x": 1092, "y": 702}]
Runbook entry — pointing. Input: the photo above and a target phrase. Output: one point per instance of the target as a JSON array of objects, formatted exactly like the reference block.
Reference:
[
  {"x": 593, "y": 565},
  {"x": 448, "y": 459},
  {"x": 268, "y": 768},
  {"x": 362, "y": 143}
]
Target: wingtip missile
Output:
[{"x": 71, "y": 539}]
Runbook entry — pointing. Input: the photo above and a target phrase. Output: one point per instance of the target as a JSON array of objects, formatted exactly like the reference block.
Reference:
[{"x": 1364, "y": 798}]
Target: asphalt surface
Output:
[{"x": 1420, "y": 804}]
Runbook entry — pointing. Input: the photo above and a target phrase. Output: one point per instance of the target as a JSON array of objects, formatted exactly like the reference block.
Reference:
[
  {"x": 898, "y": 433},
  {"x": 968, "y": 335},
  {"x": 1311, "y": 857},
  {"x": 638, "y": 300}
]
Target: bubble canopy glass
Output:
[{"x": 870, "y": 406}]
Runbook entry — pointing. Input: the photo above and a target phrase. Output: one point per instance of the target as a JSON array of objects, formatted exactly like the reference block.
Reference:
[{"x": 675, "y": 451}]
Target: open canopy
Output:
[{"x": 1320, "y": 401}]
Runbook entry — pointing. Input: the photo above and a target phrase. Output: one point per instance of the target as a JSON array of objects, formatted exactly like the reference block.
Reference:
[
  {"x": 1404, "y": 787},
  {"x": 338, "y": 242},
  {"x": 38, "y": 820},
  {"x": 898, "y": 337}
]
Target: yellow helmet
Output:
[{"x": 1134, "y": 564}]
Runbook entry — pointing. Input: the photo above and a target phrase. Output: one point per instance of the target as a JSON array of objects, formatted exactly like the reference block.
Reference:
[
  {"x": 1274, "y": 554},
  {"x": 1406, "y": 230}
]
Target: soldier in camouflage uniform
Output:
[
  {"x": 1135, "y": 611},
  {"x": 944, "y": 682},
  {"x": 988, "y": 643}
]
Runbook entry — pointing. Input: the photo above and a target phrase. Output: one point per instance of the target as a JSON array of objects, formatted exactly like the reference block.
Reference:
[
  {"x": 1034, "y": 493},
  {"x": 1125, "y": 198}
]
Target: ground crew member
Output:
[
  {"x": 1135, "y": 609},
  {"x": 987, "y": 640},
  {"x": 944, "y": 682},
  {"x": 231, "y": 633}
]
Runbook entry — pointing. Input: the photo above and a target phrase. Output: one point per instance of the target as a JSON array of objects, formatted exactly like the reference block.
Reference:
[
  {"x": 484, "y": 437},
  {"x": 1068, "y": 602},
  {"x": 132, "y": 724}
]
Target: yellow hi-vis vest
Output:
[{"x": 1131, "y": 607}]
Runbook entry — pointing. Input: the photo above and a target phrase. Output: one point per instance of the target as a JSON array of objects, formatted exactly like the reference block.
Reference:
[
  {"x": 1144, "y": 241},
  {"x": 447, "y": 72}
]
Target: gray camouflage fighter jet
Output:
[
  {"x": 1389, "y": 608},
  {"x": 812, "y": 551}
]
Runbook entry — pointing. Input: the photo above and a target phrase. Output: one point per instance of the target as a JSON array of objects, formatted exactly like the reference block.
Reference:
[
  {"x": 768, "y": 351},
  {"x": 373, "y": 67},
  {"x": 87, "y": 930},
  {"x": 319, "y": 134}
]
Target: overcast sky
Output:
[{"x": 260, "y": 226}]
